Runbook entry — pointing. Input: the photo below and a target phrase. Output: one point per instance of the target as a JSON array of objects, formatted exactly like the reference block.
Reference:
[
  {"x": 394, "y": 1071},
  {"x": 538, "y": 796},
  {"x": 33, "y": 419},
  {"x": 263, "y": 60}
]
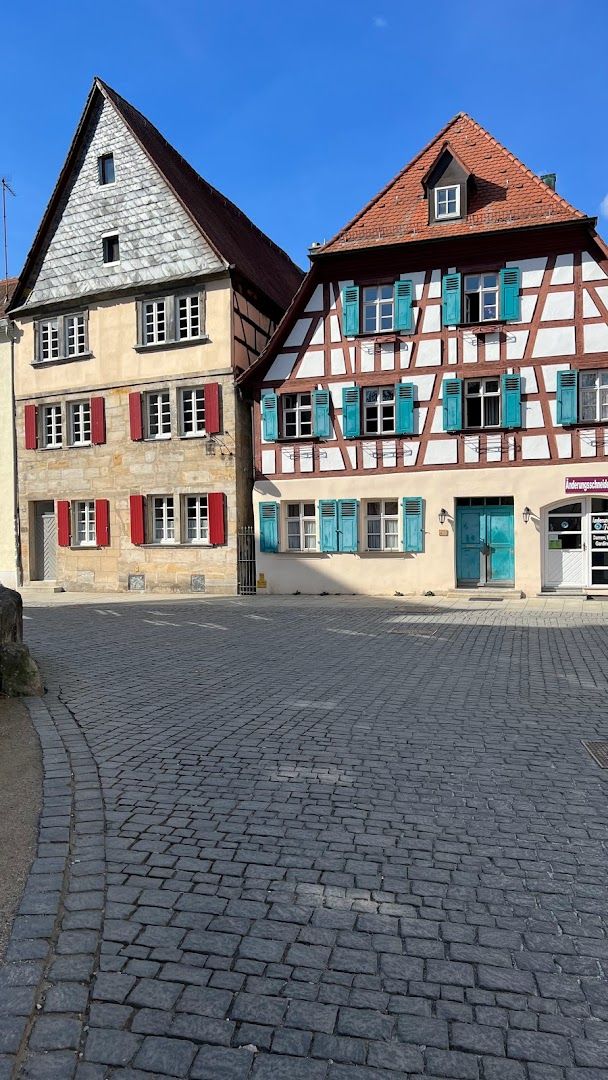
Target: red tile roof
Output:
[
  {"x": 7, "y": 288},
  {"x": 504, "y": 194}
]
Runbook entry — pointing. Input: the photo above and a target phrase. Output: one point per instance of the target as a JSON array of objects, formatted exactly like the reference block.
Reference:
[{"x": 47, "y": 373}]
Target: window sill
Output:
[
  {"x": 483, "y": 327},
  {"x": 87, "y": 547},
  {"x": 62, "y": 360},
  {"x": 156, "y": 544},
  {"x": 155, "y": 438},
  {"x": 287, "y": 439},
  {"x": 161, "y": 346},
  {"x": 189, "y": 435},
  {"x": 383, "y": 554},
  {"x": 302, "y": 554}
]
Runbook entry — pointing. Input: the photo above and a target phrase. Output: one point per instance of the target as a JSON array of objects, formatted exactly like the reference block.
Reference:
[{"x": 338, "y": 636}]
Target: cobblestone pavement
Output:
[{"x": 315, "y": 839}]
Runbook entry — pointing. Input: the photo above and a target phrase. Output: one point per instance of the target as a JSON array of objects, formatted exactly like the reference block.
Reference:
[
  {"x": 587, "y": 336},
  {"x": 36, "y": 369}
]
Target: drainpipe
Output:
[{"x": 9, "y": 328}]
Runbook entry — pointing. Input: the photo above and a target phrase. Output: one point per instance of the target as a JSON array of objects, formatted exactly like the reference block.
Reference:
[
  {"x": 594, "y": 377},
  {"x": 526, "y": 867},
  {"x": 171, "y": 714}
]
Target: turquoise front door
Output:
[{"x": 484, "y": 545}]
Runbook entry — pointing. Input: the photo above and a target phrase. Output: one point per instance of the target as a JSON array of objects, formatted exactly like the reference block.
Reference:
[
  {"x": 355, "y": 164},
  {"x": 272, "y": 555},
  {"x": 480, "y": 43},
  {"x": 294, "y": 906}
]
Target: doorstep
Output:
[{"x": 483, "y": 593}]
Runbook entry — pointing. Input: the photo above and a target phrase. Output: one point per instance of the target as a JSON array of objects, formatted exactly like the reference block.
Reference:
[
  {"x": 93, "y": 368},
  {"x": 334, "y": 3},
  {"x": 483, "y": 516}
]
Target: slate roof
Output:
[
  {"x": 504, "y": 194},
  {"x": 233, "y": 236}
]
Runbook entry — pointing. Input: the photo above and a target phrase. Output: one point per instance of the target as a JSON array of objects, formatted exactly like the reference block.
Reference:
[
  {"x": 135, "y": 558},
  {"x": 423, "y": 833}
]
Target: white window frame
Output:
[
  {"x": 194, "y": 398},
  {"x": 166, "y": 505},
  {"x": 484, "y": 395},
  {"x": 446, "y": 214},
  {"x": 481, "y": 292},
  {"x": 52, "y": 337},
  {"x": 200, "y": 519},
  {"x": 307, "y": 538},
  {"x": 600, "y": 395},
  {"x": 158, "y": 401},
  {"x": 79, "y": 420},
  {"x": 193, "y": 320},
  {"x": 51, "y": 424},
  {"x": 77, "y": 325},
  {"x": 48, "y": 340},
  {"x": 109, "y": 236},
  {"x": 374, "y": 304},
  {"x": 83, "y": 523},
  {"x": 100, "y": 174},
  {"x": 296, "y": 412},
  {"x": 384, "y": 520},
  {"x": 154, "y": 328},
  {"x": 377, "y": 407}
]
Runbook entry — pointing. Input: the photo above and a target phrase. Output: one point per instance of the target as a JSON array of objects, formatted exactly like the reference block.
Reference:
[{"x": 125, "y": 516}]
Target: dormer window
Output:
[{"x": 447, "y": 202}]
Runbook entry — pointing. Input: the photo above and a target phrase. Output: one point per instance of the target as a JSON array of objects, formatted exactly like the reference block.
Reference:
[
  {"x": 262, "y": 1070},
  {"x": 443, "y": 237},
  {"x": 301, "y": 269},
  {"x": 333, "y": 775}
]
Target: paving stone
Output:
[
  {"x": 423, "y": 1030},
  {"x": 282, "y": 1067},
  {"x": 11, "y": 1032},
  {"x": 448, "y": 1063},
  {"x": 66, "y": 997},
  {"x": 110, "y": 1047},
  {"x": 311, "y": 1016},
  {"x": 222, "y": 1064},
  {"x": 537, "y": 1046},
  {"x": 170, "y": 1057}
]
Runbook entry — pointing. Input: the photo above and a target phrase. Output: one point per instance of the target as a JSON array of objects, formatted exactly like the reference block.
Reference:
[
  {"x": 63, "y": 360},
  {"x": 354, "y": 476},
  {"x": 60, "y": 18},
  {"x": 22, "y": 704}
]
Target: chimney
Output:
[{"x": 549, "y": 179}]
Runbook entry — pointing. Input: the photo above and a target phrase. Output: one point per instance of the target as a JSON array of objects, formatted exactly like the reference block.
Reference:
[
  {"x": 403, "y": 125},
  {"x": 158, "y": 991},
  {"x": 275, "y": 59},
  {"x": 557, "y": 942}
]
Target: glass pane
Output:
[
  {"x": 388, "y": 393},
  {"x": 492, "y": 411},
  {"x": 293, "y": 510},
  {"x": 599, "y": 505},
  {"x": 471, "y": 284},
  {"x": 309, "y": 510},
  {"x": 369, "y": 319},
  {"x": 390, "y": 508},
  {"x": 491, "y": 386},
  {"x": 588, "y": 378},
  {"x": 371, "y": 396},
  {"x": 373, "y": 509},
  {"x": 490, "y": 281},
  {"x": 472, "y": 387},
  {"x": 369, "y": 293}
]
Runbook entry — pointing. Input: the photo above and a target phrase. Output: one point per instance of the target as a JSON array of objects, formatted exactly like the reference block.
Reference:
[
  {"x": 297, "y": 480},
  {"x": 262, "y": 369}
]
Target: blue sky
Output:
[{"x": 301, "y": 112}]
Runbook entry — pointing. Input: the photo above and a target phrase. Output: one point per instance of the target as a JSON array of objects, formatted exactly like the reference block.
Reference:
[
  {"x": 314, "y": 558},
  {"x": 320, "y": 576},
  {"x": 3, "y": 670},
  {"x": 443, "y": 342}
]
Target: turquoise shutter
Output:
[
  {"x": 328, "y": 517},
  {"x": 452, "y": 405},
  {"x": 269, "y": 526},
  {"x": 451, "y": 299},
  {"x": 404, "y": 399},
  {"x": 404, "y": 312},
  {"x": 567, "y": 397},
  {"x": 413, "y": 524},
  {"x": 350, "y": 310},
  {"x": 270, "y": 415},
  {"x": 320, "y": 413},
  {"x": 351, "y": 411},
  {"x": 511, "y": 401},
  {"x": 510, "y": 303},
  {"x": 348, "y": 518}
]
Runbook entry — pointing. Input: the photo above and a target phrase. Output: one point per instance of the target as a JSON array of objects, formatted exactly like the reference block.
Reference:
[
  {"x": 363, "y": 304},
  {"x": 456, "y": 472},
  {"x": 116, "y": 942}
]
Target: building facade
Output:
[
  {"x": 432, "y": 411},
  {"x": 145, "y": 294},
  {"x": 9, "y": 573}
]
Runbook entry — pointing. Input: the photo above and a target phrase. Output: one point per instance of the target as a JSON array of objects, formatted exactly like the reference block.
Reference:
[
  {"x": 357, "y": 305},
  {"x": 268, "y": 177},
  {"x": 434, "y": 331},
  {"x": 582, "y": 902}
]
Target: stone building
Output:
[
  {"x": 146, "y": 292},
  {"x": 432, "y": 411},
  {"x": 8, "y": 510}
]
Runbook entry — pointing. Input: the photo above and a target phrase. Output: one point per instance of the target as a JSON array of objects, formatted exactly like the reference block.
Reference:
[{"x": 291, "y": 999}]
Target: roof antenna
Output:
[{"x": 5, "y": 187}]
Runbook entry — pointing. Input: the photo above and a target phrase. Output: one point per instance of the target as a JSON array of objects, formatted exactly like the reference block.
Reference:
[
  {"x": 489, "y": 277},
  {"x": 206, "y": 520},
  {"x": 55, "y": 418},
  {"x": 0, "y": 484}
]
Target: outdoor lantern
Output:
[
  {"x": 527, "y": 513},
  {"x": 442, "y": 515}
]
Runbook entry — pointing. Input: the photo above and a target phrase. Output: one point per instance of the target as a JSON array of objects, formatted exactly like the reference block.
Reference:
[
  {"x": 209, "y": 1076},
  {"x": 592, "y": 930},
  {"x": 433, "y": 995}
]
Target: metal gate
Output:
[{"x": 246, "y": 561}]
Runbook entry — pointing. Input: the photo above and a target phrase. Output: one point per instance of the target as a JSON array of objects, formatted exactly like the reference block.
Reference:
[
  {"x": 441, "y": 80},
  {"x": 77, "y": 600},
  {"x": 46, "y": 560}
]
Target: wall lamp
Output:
[
  {"x": 442, "y": 516},
  {"x": 527, "y": 514}
]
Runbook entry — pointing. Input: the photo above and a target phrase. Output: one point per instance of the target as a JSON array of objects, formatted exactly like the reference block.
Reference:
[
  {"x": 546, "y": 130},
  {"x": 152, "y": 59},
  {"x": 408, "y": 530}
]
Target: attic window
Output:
[
  {"x": 111, "y": 249},
  {"x": 105, "y": 165},
  {"x": 447, "y": 202}
]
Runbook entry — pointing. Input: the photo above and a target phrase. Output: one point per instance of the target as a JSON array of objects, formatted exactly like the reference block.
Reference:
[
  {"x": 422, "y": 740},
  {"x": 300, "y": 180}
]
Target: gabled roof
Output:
[
  {"x": 7, "y": 288},
  {"x": 504, "y": 194},
  {"x": 232, "y": 235}
]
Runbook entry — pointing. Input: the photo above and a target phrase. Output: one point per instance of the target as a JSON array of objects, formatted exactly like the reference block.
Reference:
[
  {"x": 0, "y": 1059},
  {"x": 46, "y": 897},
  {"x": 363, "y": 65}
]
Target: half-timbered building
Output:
[
  {"x": 145, "y": 294},
  {"x": 432, "y": 411}
]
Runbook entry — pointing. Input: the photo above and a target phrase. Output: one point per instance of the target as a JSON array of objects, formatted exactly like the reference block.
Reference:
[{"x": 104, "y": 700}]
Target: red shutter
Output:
[
  {"x": 63, "y": 524},
  {"x": 217, "y": 526},
  {"x": 135, "y": 417},
  {"x": 212, "y": 409},
  {"x": 98, "y": 421},
  {"x": 102, "y": 520},
  {"x": 31, "y": 427},
  {"x": 138, "y": 529}
]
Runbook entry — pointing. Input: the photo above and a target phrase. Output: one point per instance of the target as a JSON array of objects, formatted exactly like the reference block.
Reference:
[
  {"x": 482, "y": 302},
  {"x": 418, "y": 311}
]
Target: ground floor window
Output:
[
  {"x": 195, "y": 519},
  {"x": 576, "y": 544},
  {"x": 301, "y": 526},
  {"x": 84, "y": 523},
  {"x": 383, "y": 525},
  {"x": 163, "y": 519}
]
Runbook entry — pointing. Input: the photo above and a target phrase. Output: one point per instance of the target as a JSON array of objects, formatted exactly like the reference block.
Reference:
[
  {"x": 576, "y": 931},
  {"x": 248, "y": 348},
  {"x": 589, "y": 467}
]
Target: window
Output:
[
  {"x": 188, "y": 316},
  {"x": 111, "y": 249},
  {"x": 379, "y": 410},
  {"x": 84, "y": 524},
  {"x": 105, "y": 165},
  {"x": 154, "y": 322},
  {"x": 301, "y": 527},
  {"x": 297, "y": 415},
  {"x": 158, "y": 415},
  {"x": 378, "y": 308},
  {"x": 594, "y": 395},
  {"x": 52, "y": 426},
  {"x": 75, "y": 335},
  {"x": 565, "y": 527},
  {"x": 196, "y": 519},
  {"x": 447, "y": 202},
  {"x": 79, "y": 420},
  {"x": 192, "y": 411},
  {"x": 383, "y": 525},
  {"x": 48, "y": 339},
  {"x": 163, "y": 519},
  {"x": 482, "y": 403},
  {"x": 62, "y": 337},
  {"x": 480, "y": 297}
]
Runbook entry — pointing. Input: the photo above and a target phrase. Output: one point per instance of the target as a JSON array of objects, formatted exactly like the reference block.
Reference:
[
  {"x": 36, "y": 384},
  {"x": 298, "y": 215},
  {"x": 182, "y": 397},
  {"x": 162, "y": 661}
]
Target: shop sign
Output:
[
  {"x": 578, "y": 485},
  {"x": 599, "y": 532}
]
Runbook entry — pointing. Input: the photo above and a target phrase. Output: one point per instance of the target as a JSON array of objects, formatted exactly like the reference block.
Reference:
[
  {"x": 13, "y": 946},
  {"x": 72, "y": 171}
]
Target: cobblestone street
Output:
[{"x": 315, "y": 839}]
